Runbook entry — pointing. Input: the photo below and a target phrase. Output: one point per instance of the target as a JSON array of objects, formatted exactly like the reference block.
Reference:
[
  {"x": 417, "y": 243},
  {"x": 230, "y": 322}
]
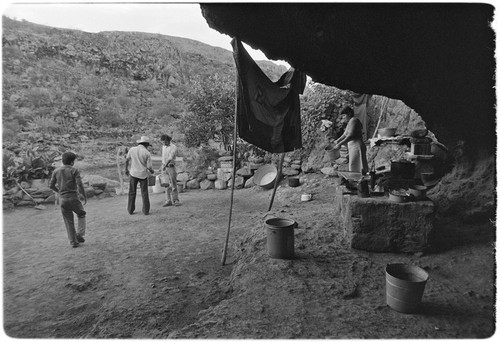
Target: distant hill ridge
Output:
[
  {"x": 116, "y": 43},
  {"x": 67, "y": 71}
]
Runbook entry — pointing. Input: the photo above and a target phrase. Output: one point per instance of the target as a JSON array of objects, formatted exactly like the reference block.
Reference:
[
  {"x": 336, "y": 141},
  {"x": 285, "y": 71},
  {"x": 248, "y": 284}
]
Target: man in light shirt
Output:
[
  {"x": 169, "y": 152},
  {"x": 141, "y": 167}
]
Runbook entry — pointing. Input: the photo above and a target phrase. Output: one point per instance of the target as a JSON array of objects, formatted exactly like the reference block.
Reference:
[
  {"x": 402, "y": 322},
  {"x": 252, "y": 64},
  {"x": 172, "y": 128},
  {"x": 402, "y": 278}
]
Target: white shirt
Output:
[
  {"x": 141, "y": 161},
  {"x": 168, "y": 153}
]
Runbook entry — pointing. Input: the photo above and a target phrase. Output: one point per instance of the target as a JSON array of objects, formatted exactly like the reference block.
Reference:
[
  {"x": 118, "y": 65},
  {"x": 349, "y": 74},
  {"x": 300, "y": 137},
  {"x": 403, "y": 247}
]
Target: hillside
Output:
[
  {"x": 93, "y": 82},
  {"x": 159, "y": 275}
]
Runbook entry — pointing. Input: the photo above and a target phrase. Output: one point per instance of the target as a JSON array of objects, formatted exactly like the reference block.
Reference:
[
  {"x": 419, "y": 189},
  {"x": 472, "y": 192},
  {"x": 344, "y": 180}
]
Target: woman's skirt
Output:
[{"x": 357, "y": 156}]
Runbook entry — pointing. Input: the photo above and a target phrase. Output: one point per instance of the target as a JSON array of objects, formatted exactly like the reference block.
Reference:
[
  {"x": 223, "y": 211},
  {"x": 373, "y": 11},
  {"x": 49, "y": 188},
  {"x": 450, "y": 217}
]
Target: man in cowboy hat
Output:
[{"x": 140, "y": 167}]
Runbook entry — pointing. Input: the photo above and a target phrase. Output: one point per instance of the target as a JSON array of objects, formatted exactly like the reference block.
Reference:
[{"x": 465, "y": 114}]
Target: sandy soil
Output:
[{"x": 160, "y": 276}]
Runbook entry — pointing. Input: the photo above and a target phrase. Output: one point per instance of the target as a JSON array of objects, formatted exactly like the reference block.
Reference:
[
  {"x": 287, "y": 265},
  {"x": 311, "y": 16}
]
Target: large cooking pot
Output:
[{"x": 402, "y": 169}]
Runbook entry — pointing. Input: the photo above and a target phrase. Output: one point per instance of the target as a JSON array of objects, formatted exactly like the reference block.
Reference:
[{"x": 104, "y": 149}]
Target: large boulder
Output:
[
  {"x": 239, "y": 183},
  {"x": 193, "y": 184},
  {"x": 206, "y": 184},
  {"x": 249, "y": 183}
]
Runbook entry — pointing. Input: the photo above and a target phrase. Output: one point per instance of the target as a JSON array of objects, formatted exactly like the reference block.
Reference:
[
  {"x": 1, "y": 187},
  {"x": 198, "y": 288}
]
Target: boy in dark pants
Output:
[{"x": 66, "y": 181}]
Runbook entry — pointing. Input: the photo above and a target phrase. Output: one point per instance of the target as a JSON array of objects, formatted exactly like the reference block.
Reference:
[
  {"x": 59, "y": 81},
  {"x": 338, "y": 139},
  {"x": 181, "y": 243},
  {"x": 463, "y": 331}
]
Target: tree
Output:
[
  {"x": 320, "y": 102},
  {"x": 211, "y": 111}
]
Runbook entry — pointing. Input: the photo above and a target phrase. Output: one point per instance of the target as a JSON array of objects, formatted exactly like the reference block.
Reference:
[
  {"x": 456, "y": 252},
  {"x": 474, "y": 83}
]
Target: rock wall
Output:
[{"x": 436, "y": 58}]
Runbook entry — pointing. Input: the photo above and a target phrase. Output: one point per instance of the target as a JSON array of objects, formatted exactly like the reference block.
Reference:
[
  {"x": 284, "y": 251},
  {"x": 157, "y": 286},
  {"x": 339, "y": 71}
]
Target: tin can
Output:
[{"x": 363, "y": 190}]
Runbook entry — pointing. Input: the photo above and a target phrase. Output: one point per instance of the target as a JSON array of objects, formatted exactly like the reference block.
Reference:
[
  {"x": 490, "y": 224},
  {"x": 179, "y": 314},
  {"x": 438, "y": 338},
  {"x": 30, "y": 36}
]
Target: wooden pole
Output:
[
  {"x": 382, "y": 111},
  {"x": 119, "y": 155},
  {"x": 276, "y": 182},
  {"x": 235, "y": 137}
]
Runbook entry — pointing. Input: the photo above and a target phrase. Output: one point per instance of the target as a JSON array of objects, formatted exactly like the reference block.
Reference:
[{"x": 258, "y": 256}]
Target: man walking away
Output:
[
  {"x": 67, "y": 182},
  {"x": 140, "y": 162}
]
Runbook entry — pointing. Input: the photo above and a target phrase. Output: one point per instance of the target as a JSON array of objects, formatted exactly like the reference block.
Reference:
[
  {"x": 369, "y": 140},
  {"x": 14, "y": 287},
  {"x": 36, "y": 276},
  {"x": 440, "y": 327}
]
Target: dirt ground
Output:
[{"x": 160, "y": 276}]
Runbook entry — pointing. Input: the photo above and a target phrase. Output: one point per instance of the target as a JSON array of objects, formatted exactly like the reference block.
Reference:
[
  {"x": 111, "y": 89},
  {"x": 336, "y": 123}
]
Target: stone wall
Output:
[
  {"x": 95, "y": 187},
  {"x": 376, "y": 224}
]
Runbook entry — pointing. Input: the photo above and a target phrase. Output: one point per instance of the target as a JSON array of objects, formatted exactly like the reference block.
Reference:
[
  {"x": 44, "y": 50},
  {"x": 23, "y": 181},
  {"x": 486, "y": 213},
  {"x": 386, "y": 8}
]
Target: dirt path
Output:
[
  {"x": 160, "y": 276},
  {"x": 135, "y": 276}
]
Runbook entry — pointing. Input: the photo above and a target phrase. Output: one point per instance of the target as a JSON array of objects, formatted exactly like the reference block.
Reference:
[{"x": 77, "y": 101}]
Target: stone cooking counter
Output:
[{"x": 376, "y": 224}]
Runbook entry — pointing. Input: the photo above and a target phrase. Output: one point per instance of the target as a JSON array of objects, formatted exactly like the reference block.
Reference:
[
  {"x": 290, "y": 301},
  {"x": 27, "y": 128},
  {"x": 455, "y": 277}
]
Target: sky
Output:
[
  {"x": 180, "y": 18},
  {"x": 174, "y": 19}
]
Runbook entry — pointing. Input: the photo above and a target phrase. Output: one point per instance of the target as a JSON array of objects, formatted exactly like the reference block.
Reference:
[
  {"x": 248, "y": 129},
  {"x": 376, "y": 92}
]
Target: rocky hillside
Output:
[
  {"x": 94, "y": 92},
  {"x": 91, "y": 82}
]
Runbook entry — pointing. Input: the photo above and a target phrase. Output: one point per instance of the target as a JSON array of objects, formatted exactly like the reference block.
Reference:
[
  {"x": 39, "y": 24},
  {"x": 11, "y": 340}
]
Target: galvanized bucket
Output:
[
  {"x": 405, "y": 286},
  {"x": 280, "y": 238}
]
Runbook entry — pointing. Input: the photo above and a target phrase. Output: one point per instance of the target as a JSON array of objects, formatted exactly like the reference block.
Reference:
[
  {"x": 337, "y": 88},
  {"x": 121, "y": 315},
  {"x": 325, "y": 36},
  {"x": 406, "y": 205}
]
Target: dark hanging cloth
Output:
[
  {"x": 360, "y": 111},
  {"x": 268, "y": 112}
]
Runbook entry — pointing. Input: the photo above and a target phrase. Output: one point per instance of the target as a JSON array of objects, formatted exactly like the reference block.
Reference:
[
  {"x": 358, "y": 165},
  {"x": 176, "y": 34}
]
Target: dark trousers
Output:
[
  {"x": 132, "y": 192},
  {"x": 69, "y": 205}
]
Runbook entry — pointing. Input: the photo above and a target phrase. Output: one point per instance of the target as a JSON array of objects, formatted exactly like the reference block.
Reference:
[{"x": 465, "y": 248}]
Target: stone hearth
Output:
[{"x": 379, "y": 225}]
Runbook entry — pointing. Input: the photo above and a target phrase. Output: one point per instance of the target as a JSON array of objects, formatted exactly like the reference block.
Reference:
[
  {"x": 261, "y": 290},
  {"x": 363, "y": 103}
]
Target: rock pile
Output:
[
  {"x": 291, "y": 167},
  {"x": 38, "y": 189}
]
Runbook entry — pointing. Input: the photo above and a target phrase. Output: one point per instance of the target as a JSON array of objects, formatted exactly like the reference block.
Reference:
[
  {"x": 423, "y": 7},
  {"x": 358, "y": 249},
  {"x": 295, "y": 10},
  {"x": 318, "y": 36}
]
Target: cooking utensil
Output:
[
  {"x": 418, "y": 191},
  {"x": 265, "y": 176},
  {"x": 387, "y": 132},
  {"x": 399, "y": 196},
  {"x": 402, "y": 169}
]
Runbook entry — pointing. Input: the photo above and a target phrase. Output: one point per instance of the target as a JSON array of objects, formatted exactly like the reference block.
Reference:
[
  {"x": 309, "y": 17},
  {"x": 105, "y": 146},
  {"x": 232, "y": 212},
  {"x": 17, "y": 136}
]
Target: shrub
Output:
[
  {"x": 38, "y": 97},
  {"x": 12, "y": 52},
  {"x": 27, "y": 165},
  {"x": 43, "y": 124},
  {"x": 147, "y": 85},
  {"x": 211, "y": 111},
  {"x": 201, "y": 158},
  {"x": 10, "y": 129},
  {"x": 109, "y": 116},
  {"x": 93, "y": 85},
  {"x": 8, "y": 109},
  {"x": 320, "y": 102}
]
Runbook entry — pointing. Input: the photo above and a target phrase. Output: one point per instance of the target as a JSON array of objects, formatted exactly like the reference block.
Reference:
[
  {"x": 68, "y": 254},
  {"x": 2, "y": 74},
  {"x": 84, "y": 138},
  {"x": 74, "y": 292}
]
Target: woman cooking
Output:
[{"x": 353, "y": 136}]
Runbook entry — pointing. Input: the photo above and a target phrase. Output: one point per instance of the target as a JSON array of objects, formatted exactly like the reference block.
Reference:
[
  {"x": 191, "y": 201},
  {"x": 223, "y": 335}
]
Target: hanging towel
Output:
[{"x": 268, "y": 113}]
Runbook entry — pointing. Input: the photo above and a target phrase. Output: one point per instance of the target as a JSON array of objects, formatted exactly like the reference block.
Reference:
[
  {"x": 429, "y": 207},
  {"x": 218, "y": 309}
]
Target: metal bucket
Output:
[
  {"x": 157, "y": 188},
  {"x": 293, "y": 182},
  {"x": 402, "y": 169},
  {"x": 332, "y": 153},
  {"x": 151, "y": 180},
  {"x": 404, "y": 286},
  {"x": 180, "y": 187},
  {"x": 280, "y": 238}
]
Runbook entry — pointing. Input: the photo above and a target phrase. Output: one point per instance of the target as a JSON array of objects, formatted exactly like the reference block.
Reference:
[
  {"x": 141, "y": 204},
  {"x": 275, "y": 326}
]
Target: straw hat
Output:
[{"x": 144, "y": 139}]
